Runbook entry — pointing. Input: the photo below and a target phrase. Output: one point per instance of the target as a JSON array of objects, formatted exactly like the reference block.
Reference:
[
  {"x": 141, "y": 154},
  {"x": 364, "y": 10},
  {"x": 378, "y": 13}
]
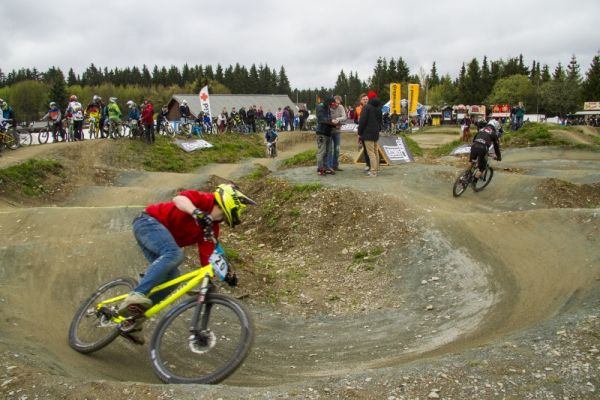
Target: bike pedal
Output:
[{"x": 133, "y": 338}]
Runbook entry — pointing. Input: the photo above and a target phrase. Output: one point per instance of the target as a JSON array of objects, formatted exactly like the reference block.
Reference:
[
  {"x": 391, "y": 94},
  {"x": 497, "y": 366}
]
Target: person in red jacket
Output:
[
  {"x": 162, "y": 229},
  {"x": 148, "y": 121}
]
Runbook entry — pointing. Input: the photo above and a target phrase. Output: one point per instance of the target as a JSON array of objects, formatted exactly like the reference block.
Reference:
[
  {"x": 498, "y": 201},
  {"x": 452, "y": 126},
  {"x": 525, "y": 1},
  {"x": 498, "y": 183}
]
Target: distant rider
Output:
[
  {"x": 55, "y": 116},
  {"x": 485, "y": 137},
  {"x": 75, "y": 110}
]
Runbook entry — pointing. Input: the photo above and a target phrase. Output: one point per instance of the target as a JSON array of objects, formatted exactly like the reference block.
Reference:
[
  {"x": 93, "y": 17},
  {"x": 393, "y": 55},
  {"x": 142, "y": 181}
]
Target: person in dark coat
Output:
[{"x": 369, "y": 126}]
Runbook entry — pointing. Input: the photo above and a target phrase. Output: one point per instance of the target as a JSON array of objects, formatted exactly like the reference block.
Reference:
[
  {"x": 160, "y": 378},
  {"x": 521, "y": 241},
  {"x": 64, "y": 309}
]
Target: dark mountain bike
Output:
[{"x": 467, "y": 178}]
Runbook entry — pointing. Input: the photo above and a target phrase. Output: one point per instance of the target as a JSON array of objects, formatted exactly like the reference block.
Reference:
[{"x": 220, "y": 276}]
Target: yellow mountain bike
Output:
[{"x": 202, "y": 339}]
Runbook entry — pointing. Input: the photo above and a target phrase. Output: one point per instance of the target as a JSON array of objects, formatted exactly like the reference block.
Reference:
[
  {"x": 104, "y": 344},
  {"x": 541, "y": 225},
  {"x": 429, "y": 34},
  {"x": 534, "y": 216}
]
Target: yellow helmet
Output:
[{"x": 232, "y": 202}]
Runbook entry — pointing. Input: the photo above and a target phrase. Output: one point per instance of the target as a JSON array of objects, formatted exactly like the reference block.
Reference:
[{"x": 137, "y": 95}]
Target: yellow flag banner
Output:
[
  {"x": 395, "y": 98},
  {"x": 413, "y": 97}
]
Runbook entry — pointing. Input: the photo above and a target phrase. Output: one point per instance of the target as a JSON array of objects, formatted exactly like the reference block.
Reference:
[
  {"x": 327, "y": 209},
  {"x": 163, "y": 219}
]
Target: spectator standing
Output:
[
  {"x": 222, "y": 121},
  {"x": 363, "y": 100},
  {"x": 465, "y": 127},
  {"x": 302, "y": 115},
  {"x": 369, "y": 127},
  {"x": 251, "y": 117},
  {"x": 324, "y": 126},
  {"x": 338, "y": 116},
  {"x": 519, "y": 114},
  {"x": 270, "y": 119},
  {"x": 148, "y": 121},
  {"x": 291, "y": 117}
]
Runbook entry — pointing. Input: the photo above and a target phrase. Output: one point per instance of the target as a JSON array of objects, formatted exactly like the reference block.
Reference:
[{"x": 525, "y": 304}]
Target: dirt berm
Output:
[{"x": 384, "y": 288}]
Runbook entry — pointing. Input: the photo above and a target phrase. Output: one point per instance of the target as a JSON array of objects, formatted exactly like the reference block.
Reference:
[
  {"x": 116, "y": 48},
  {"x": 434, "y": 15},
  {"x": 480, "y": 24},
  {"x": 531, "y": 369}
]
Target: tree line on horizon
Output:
[{"x": 558, "y": 92}]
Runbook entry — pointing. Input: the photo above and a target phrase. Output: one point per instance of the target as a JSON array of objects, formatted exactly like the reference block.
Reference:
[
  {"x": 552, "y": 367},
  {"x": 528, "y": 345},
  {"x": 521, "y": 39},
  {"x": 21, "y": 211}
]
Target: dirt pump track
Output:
[{"x": 478, "y": 271}]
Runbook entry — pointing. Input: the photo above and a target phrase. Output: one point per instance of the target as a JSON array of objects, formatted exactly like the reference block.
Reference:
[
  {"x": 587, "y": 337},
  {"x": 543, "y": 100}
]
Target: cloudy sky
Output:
[{"x": 313, "y": 40}]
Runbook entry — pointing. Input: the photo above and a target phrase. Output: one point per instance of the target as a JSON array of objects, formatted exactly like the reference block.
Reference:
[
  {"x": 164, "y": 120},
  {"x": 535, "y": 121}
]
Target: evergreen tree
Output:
[
  {"x": 545, "y": 75},
  {"x": 472, "y": 84},
  {"x": 208, "y": 72},
  {"x": 253, "y": 80},
  {"x": 402, "y": 70},
  {"x": 486, "y": 79},
  {"x": 591, "y": 85},
  {"x": 2, "y": 79},
  {"x": 283, "y": 83},
  {"x": 219, "y": 74},
  {"x": 573, "y": 74},
  {"x": 559, "y": 73},
  {"x": 434, "y": 79},
  {"x": 341, "y": 84},
  {"x": 72, "y": 78},
  {"x": 146, "y": 77},
  {"x": 58, "y": 89}
]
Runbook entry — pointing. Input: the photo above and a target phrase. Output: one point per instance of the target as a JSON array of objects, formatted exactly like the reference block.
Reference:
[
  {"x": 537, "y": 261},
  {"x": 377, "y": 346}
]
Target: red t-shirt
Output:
[{"x": 182, "y": 226}]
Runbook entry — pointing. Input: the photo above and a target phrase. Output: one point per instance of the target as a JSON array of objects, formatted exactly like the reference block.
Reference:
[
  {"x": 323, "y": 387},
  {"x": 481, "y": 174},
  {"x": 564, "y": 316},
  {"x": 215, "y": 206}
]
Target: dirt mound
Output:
[{"x": 360, "y": 287}]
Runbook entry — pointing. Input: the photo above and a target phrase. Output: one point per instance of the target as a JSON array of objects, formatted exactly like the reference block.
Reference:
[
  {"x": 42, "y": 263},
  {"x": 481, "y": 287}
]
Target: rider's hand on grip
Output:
[{"x": 205, "y": 221}]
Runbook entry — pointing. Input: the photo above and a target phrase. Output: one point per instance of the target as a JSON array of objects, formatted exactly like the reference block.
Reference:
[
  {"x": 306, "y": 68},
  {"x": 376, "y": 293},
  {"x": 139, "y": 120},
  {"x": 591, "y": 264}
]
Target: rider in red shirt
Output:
[{"x": 162, "y": 229}]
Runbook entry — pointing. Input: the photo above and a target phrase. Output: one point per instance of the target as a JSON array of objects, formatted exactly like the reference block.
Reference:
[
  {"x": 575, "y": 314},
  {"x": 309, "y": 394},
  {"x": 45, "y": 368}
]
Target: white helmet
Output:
[
  {"x": 52, "y": 104},
  {"x": 494, "y": 124},
  {"x": 130, "y": 103},
  {"x": 112, "y": 99},
  {"x": 96, "y": 98},
  {"x": 184, "y": 102}
]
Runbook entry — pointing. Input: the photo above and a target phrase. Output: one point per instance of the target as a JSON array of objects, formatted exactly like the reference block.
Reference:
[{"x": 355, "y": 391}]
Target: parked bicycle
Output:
[
  {"x": 165, "y": 128},
  {"x": 9, "y": 138},
  {"x": 202, "y": 339},
  {"x": 467, "y": 178},
  {"x": 115, "y": 129},
  {"x": 94, "y": 127}
]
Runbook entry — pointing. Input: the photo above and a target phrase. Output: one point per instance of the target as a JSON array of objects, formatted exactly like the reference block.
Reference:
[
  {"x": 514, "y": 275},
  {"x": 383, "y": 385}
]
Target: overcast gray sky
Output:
[{"x": 313, "y": 40}]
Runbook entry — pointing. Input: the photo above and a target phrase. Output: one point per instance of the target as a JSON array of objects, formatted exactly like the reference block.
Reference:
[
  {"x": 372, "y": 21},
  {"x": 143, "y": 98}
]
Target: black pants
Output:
[{"x": 479, "y": 153}]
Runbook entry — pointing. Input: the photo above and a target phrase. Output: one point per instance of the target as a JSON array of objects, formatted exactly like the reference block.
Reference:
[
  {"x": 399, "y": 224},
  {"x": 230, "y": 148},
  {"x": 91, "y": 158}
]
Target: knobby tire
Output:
[
  {"x": 484, "y": 180},
  {"x": 230, "y": 328},
  {"x": 86, "y": 334},
  {"x": 462, "y": 183}
]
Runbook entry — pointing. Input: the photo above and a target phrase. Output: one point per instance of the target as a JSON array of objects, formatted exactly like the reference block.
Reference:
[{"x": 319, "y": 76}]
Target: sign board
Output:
[
  {"x": 392, "y": 150},
  {"x": 413, "y": 97},
  {"x": 465, "y": 149},
  {"x": 193, "y": 145},
  {"x": 501, "y": 110},
  {"x": 349, "y": 126},
  {"x": 591, "y": 106}
]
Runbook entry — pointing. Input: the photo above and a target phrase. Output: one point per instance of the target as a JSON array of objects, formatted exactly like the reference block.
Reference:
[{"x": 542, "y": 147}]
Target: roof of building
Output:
[{"x": 269, "y": 102}]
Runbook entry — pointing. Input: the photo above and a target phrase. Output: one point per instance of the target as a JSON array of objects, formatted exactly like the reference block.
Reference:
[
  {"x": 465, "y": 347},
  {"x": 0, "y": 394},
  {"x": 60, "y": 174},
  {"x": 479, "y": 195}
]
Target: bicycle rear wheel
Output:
[
  {"x": 484, "y": 179},
  {"x": 212, "y": 353},
  {"x": 462, "y": 183},
  {"x": 90, "y": 329},
  {"x": 14, "y": 140}
]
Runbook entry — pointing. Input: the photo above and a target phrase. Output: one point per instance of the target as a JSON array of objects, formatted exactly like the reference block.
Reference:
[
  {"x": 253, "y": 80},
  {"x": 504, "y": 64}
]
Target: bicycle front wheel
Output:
[
  {"x": 25, "y": 138},
  {"x": 462, "y": 183},
  {"x": 91, "y": 329},
  {"x": 43, "y": 136},
  {"x": 210, "y": 354},
  {"x": 484, "y": 180}
]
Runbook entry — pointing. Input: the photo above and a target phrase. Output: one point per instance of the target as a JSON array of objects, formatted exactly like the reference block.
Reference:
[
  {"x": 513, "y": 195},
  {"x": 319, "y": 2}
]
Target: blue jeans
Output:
[
  {"x": 161, "y": 251},
  {"x": 333, "y": 159}
]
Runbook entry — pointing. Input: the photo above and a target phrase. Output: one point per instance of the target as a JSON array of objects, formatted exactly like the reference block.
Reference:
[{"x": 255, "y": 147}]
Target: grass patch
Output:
[
  {"x": 445, "y": 149},
  {"x": 532, "y": 134},
  {"x": 32, "y": 178},
  {"x": 165, "y": 156},
  {"x": 413, "y": 146},
  {"x": 304, "y": 159}
]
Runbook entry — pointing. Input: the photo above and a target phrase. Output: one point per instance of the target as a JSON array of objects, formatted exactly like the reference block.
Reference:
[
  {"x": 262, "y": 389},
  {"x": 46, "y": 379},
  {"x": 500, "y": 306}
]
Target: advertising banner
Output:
[
  {"x": 395, "y": 90},
  {"x": 413, "y": 97},
  {"x": 204, "y": 101}
]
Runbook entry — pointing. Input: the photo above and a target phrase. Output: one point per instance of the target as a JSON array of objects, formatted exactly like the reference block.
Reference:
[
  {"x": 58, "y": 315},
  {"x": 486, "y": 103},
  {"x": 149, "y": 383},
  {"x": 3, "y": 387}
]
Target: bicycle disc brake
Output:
[{"x": 202, "y": 342}]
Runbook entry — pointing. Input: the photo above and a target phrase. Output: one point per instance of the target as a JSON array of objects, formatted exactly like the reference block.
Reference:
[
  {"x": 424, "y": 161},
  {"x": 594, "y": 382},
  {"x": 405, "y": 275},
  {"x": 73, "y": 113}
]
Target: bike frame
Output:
[{"x": 202, "y": 274}]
